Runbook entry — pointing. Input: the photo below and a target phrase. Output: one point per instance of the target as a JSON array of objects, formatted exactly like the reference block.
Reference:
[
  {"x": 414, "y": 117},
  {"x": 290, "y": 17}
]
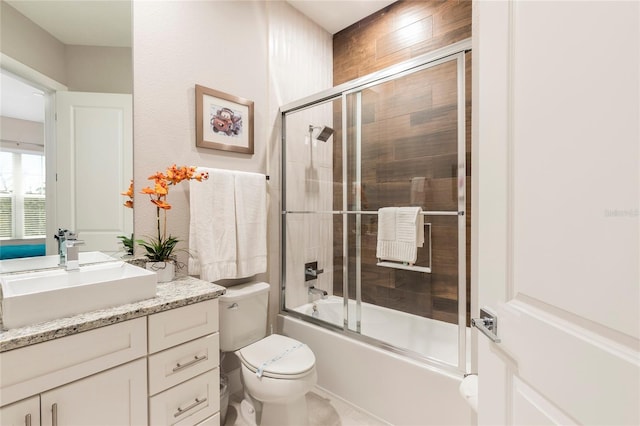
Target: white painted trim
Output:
[{"x": 31, "y": 75}]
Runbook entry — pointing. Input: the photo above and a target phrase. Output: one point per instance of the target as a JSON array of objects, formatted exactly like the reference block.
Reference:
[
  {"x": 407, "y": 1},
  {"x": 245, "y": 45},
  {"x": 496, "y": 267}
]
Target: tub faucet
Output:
[
  {"x": 322, "y": 293},
  {"x": 72, "y": 255}
]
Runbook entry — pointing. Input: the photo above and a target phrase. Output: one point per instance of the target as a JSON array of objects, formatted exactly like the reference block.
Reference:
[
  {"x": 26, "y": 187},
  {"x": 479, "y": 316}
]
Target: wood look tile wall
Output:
[{"x": 409, "y": 149}]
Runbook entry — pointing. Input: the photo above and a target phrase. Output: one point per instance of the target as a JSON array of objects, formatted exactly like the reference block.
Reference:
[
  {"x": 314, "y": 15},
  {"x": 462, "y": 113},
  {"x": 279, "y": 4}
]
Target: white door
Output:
[
  {"x": 556, "y": 202},
  {"x": 94, "y": 165}
]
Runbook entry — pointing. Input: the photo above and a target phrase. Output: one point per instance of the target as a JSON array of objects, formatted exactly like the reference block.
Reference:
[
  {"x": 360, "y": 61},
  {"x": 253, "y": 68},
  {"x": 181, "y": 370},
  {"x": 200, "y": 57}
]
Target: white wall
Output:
[
  {"x": 220, "y": 45},
  {"x": 29, "y": 44},
  {"x": 263, "y": 51},
  {"x": 14, "y": 129},
  {"x": 99, "y": 69},
  {"x": 300, "y": 64},
  {"x": 80, "y": 68}
]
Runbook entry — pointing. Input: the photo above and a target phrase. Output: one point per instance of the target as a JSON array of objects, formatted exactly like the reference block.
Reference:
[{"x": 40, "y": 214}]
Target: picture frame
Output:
[{"x": 223, "y": 121}]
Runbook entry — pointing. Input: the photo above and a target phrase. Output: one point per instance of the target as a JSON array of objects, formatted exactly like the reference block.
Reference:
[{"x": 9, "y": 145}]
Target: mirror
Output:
[{"x": 74, "y": 57}]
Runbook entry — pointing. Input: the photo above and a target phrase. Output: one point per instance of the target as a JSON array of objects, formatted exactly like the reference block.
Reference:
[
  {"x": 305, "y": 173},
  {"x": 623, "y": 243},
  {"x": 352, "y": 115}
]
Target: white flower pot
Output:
[{"x": 166, "y": 270}]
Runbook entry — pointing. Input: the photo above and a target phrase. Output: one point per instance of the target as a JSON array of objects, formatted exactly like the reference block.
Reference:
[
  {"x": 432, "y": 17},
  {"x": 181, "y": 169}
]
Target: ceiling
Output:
[
  {"x": 81, "y": 22},
  {"x": 336, "y": 15},
  {"x": 20, "y": 100},
  {"x": 108, "y": 23}
]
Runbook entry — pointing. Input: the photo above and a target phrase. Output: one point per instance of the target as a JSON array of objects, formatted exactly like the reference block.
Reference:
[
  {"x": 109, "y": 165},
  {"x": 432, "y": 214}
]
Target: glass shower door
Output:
[
  {"x": 397, "y": 141},
  {"x": 405, "y": 146}
]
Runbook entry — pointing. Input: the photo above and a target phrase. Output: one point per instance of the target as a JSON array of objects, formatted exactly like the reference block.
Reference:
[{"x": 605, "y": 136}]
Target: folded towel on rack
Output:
[
  {"x": 212, "y": 228},
  {"x": 251, "y": 223},
  {"x": 400, "y": 233},
  {"x": 417, "y": 191}
]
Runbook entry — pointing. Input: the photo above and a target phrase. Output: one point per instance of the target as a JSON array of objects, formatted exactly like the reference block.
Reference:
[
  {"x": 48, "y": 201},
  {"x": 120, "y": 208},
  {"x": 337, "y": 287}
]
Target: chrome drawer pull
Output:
[
  {"x": 195, "y": 359},
  {"x": 181, "y": 411}
]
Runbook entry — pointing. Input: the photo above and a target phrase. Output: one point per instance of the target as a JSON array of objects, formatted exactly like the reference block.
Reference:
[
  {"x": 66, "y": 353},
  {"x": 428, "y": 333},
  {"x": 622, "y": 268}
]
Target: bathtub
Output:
[
  {"x": 431, "y": 338},
  {"x": 393, "y": 387}
]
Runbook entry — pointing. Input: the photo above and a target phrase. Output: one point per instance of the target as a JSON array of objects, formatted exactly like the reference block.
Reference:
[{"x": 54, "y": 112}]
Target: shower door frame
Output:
[{"x": 454, "y": 52}]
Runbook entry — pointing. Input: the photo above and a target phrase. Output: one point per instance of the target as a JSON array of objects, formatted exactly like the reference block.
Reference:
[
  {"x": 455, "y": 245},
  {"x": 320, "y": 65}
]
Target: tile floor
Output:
[{"x": 324, "y": 410}]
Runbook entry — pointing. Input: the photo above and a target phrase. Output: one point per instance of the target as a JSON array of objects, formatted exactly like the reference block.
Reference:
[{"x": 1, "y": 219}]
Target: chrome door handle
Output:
[{"x": 487, "y": 324}]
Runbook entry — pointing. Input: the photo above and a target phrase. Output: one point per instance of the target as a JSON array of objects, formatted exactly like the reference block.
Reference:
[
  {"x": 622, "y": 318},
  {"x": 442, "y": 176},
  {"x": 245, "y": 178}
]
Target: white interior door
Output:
[
  {"x": 556, "y": 196},
  {"x": 94, "y": 165}
]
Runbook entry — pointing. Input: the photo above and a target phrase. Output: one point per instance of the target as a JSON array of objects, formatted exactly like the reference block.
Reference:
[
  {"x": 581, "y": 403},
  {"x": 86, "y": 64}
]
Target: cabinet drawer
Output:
[
  {"x": 170, "y": 328},
  {"x": 180, "y": 363},
  {"x": 188, "y": 403},
  {"x": 22, "y": 413},
  {"x": 33, "y": 369},
  {"x": 211, "y": 421}
]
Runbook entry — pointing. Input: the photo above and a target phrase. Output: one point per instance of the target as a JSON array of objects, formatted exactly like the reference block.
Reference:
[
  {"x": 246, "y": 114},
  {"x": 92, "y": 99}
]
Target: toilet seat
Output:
[{"x": 278, "y": 357}]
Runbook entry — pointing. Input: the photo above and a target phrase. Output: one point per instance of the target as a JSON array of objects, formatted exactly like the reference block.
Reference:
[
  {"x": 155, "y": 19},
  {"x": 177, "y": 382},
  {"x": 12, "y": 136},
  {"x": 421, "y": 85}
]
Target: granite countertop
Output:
[{"x": 182, "y": 291}]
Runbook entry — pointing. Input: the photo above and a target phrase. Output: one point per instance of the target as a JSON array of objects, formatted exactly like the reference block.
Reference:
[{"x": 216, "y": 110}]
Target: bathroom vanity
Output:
[{"x": 152, "y": 362}]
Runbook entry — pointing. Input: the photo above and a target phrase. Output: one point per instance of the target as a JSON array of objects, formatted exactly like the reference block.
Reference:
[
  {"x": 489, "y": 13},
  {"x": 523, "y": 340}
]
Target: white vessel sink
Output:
[
  {"x": 34, "y": 297},
  {"x": 49, "y": 262}
]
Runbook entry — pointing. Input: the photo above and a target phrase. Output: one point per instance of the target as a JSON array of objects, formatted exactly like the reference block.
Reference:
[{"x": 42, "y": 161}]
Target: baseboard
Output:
[{"x": 323, "y": 392}]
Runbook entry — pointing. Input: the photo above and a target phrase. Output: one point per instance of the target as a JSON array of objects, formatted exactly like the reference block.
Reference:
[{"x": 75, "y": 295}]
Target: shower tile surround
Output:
[{"x": 408, "y": 132}]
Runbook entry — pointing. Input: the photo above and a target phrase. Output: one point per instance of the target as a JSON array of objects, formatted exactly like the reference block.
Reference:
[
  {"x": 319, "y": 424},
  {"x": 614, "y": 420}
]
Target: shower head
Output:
[{"x": 325, "y": 132}]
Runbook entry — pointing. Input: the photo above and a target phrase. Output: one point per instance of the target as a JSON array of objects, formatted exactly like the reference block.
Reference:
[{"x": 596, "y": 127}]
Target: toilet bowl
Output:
[{"x": 276, "y": 371}]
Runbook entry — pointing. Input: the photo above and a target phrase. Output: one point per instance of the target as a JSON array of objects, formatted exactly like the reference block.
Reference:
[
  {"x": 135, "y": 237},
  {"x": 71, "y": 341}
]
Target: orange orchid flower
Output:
[
  {"x": 161, "y": 249},
  {"x": 129, "y": 193},
  {"x": 161, "y": 188},
  {"x": 162, "y": 204}
]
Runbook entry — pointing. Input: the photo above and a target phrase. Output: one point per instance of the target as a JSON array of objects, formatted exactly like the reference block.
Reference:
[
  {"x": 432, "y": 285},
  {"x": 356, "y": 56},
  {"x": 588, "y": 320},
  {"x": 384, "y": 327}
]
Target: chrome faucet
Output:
[
  {"x": 72, "y": 252},
  {"x": 61, "y": 237},
  {"x": 312, "y": 290}
]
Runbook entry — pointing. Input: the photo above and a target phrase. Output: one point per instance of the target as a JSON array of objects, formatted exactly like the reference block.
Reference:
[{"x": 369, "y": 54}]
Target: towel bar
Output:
[
  {"x": 424, "y": 213},
  {"x": 397, "y": 265}
]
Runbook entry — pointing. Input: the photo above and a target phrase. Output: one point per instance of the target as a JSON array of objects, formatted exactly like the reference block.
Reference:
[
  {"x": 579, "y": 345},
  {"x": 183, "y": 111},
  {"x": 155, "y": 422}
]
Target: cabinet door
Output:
[
  {"x": 113, "y": 397},
  {"x": 21, "y": 413}
]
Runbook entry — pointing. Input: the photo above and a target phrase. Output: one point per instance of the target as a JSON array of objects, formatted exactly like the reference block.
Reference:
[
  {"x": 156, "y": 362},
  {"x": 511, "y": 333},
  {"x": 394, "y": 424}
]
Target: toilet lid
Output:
[{"x": 277, "y": 356}]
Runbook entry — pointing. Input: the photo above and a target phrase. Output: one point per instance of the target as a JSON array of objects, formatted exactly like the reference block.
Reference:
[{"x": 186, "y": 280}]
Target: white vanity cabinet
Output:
[
  {"x": 184, "y": 379},
  {"x": 113, "y": 397},
  {"x": 160, "y": 369},
  {"x": 21, "y": 413},
  {"x": 96, "y": 377}
]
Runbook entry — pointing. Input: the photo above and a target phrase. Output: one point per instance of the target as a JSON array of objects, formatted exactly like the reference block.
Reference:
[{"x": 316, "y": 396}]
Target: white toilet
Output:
[{"x": 276, "y": 371}]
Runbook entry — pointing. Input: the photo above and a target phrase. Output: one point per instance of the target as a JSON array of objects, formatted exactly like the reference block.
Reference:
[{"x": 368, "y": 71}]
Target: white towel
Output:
[
  {"x": 251, "y": 223},
  {"x": 400, "y": 233},
  {"x": 212, "y": 229},
  {"x": 417, "y": 191}
]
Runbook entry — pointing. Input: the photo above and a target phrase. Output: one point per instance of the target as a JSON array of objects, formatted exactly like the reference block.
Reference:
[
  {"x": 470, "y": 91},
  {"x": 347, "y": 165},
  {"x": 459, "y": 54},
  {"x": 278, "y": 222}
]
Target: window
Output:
[{"x": 22, "y": 195}]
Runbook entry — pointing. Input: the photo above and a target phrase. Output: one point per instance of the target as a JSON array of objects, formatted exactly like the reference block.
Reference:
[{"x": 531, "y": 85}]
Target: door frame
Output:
[{"x": 49, "y": 86}]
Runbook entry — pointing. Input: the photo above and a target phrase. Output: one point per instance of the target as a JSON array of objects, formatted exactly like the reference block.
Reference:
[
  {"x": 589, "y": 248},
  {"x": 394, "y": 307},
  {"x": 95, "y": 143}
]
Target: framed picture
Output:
[{"x": 223, "y": 121}]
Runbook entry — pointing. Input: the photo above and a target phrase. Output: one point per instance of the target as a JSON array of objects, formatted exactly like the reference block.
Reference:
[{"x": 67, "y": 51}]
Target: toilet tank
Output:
[{"x": 243, "y": 315}]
